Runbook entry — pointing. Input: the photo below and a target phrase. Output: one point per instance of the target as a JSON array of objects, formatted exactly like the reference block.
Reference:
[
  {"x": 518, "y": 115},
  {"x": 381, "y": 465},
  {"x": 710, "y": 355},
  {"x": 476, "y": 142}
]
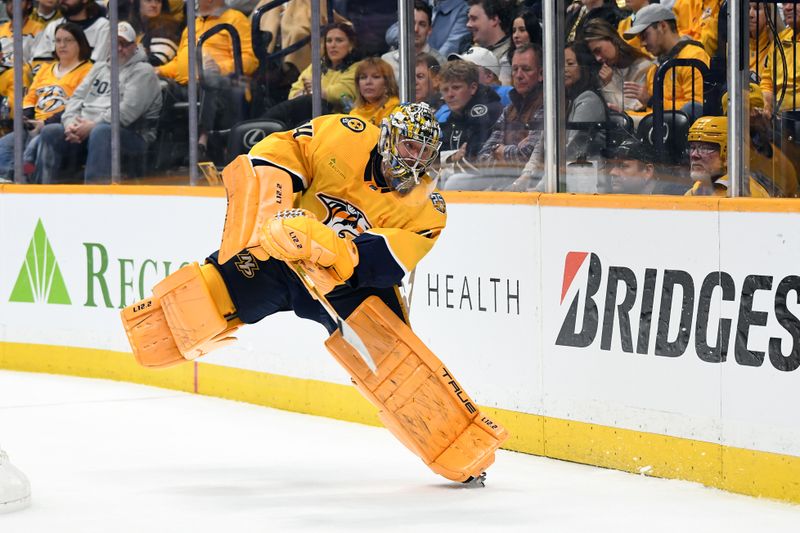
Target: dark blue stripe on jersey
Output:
[
  {"x": 297, "y": 181},
  {"x": 377, "y": 267}
]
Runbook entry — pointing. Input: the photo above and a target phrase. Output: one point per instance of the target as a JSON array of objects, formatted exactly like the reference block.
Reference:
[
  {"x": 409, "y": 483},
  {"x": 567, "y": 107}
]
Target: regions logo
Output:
[
  {"x": 353, "y": 124},
  {"x": 247, "y": 265},
  {"x": 686, "y": 311},
  {"x": 40, "y": 279},
  {"x": 342, "y": 217}
]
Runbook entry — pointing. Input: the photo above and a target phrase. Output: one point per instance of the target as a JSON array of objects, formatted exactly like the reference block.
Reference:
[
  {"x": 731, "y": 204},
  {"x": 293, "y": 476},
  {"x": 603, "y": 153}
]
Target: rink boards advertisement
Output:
[{"x": 588, "y": 323}]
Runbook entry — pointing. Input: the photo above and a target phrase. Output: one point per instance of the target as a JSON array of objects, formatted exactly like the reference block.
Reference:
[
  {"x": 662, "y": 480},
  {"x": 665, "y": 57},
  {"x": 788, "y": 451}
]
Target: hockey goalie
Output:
[{"x": 326, "y": 220}]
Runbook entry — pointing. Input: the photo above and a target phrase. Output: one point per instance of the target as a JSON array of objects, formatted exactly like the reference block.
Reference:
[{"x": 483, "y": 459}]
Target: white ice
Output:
[{"x": 105, "y": 456}]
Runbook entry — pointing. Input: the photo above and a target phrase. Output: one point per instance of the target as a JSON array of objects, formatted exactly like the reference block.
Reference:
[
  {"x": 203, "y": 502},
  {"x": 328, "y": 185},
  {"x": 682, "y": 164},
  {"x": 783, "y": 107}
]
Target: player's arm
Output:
[{"x": 260, "y": 184}]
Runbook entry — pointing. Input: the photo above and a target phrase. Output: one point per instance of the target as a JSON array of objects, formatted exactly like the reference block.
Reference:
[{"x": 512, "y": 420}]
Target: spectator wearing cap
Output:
[
  {"x": 89, "y": 16},
  {"x": 632, "y": 170},
  {"x": 488, "y": 74},
  {"x": 657, "y": 27},
  {"x": 489, "y": 22},
  {"x": 474, "y": 109},
  {"x": 448, "y": 26},
  {"x": 519, "y": 128},
  {"x": 85, "y": 128},
  {"x": 708, "y": 158},
  {"x": 422, "y": 32}
]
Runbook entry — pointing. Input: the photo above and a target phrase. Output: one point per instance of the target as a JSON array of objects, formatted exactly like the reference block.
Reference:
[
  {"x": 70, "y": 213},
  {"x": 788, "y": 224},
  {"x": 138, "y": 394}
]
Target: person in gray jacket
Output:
[{"x": 85, "y": 129}]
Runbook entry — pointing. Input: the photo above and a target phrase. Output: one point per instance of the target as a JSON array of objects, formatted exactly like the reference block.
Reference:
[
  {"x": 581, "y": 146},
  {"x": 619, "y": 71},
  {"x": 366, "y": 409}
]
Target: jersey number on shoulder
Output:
[{"x": 304, "y": 129}]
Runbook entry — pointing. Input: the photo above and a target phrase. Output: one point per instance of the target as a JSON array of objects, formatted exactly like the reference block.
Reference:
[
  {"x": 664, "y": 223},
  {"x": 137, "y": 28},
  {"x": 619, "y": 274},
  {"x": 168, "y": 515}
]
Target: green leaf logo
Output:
[{"x": 40, "y": 279}]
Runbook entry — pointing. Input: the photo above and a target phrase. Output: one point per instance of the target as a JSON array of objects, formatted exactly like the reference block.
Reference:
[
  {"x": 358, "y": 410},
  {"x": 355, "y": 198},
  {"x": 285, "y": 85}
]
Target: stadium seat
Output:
[
  {"x": 244, "y": 135},
  {"x": 676, "y": 130}
]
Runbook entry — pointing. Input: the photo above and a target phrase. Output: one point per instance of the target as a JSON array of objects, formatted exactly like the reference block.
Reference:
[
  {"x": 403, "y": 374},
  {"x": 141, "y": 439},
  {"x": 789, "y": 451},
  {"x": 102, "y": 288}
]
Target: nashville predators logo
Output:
[
  {"x": 353, "y": 124},
  {"x": 247, "y": 265},
  {"x": 343, "y": 218},
  {"x": 438, "y": 202},
  {"x": 51, "y": 98}
]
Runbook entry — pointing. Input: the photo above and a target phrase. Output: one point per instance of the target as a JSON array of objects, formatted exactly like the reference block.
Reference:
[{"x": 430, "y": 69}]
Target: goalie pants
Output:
[{"x": 261, "y": 288}]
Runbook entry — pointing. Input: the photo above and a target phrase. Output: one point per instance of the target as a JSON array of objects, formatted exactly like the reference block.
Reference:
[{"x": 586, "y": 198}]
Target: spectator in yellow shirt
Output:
[
  {"x": 377, "y": 94},
  {"x": 30, "y": 28},
  {"x": 780, "y": 90},
  {"x": 658, "y": 29},
  {"x": 223, "y": 95}
]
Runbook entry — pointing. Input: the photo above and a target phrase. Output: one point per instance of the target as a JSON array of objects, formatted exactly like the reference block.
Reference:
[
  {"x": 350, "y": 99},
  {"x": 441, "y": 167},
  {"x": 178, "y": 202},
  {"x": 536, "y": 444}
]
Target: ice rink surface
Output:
[{"x": 106, "y": 456}]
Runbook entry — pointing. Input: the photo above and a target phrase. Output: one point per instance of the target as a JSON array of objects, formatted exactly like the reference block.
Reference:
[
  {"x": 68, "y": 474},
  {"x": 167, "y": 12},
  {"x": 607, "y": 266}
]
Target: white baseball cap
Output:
[
  {"x": 481, "y": 57},
  {"x": 126, "y": 31}
]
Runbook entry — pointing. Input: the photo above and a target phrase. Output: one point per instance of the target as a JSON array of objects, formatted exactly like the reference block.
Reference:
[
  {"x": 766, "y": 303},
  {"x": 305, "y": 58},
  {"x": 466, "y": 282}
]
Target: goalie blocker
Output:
[{"x": 419, "y": 400}]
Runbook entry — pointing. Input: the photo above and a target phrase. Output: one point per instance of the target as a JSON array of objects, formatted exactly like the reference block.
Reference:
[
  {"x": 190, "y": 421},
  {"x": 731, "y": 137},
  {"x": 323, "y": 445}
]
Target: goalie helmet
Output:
[{"x": 409, "y": 143}]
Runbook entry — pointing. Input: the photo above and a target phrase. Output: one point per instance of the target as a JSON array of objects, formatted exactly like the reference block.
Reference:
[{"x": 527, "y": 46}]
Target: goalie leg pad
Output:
[
  {"x": 186, "y": 318},
  {"x": 419, "y": 400},
  {"x": 255, "y": 194}
]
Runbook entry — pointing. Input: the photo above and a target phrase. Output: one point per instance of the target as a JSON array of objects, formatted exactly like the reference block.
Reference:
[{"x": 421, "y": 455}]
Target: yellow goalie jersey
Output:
[{"x": 335, "y": 166}]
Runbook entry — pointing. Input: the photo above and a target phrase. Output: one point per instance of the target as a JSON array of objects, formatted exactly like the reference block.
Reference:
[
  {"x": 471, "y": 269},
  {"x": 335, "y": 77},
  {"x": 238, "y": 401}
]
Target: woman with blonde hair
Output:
[
  {"x": 377, "y": 92},
  {"x": 620, "y": 62}
]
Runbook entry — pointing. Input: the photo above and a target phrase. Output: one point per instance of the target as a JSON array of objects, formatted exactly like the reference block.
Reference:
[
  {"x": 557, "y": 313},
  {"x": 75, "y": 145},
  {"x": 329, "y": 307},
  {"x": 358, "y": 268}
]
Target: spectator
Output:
[
  {"x": 292, "y": 23},
  {"x": 223, "y": 96},
  {"x": 85, "y": 131},
  {"x": 448, "y": 28},
  {"x": 582, "y": 11},
  {"x": 632, "y": 170},
  {"x": 779, "y": 82},
  {"x": 702, "y": 22},
  {"x": 525, "y": 29},
  {"x": 338, "y": 79},
  {"x": 30, "y": 29},
  {"x": 372, "y": 19},
  {"x": 761, "y": 37},
  {"x": 45, "y": 12},
  {"x": 518, "y": 129},
  {"x": 422, "y": 31},
  {"x": 474, "y": 108},
  {"x": 87, "y": 14},
  {"x": 426, "y": 85},
  {"x": 585, "y": 108},
  {"x": 377, "y": 93},
  {"x": 708, "y": 156},
  {"x": 634, "y": 6},
  {"x": 488, "y": 71},
  {"x": 156, "y": 30},
  {"x": 658, "y": 29},
  {"x": 620, "y": 62},
  {"x": 489, "y": 22},
  {"x": 53, "y": 85}
]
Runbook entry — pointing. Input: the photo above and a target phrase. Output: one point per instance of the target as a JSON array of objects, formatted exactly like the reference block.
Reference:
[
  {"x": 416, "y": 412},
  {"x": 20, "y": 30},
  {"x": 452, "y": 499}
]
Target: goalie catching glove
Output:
[{"x": 296, "y": 235}]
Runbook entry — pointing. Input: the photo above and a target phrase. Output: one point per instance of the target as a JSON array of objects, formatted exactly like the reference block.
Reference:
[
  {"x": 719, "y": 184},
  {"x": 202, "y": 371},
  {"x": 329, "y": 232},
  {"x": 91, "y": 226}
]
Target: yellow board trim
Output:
[
  {"x": 596, "y": 201},
  {"x": 750, "y": 472}
]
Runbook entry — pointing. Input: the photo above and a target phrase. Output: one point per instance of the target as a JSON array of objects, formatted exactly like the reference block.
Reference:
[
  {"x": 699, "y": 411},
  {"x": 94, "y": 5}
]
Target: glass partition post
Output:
[
  {"x": 192, "y": 92},
  {"x": 19, "y": 134},
  {"x": 738, "y": 74},
  {"x": 316, "y": 60},
  {"x": 553, "y": 56},
  {"x": 405, "y": 11},
  {"x": 113, "y": 16}
]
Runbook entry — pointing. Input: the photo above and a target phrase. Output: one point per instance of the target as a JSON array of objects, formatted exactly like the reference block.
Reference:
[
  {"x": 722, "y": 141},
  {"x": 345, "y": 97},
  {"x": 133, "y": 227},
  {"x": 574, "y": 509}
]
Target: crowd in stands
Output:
[{"x": 644, "y": 82}]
